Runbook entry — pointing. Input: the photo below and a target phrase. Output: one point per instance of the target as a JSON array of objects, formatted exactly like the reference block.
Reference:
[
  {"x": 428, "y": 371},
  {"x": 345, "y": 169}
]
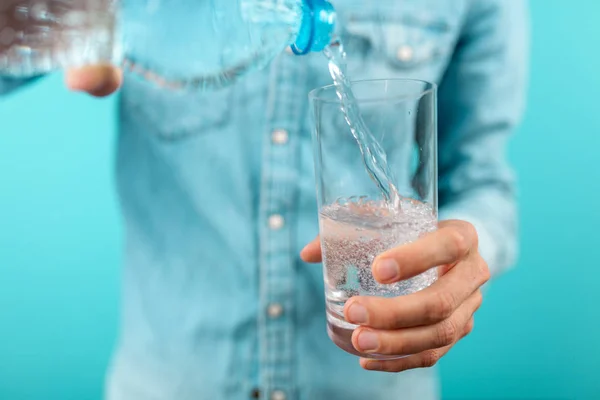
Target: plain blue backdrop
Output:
[{"x": 536, "y": 336}]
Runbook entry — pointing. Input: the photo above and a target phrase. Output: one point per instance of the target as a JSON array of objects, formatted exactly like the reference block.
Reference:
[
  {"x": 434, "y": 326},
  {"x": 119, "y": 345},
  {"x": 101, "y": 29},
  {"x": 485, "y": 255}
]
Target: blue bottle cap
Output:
[{"x": 318, "y": 25}]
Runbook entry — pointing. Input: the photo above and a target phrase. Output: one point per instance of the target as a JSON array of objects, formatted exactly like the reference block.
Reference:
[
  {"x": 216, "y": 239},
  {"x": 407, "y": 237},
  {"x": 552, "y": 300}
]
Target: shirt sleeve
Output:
[
  {"x": 481, "y": 100},
  {"x": 7, "y": 85}
]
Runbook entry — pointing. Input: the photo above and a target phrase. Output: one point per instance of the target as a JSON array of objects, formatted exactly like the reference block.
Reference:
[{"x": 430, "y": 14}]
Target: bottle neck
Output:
[{"x": 317, "y": 27}]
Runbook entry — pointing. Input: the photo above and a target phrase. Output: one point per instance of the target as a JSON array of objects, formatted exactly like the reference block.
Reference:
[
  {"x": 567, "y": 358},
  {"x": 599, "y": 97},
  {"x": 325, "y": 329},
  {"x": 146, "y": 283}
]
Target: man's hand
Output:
[
  {"x": 98, "y": 80},
  {"x": 426, "y": 324}
]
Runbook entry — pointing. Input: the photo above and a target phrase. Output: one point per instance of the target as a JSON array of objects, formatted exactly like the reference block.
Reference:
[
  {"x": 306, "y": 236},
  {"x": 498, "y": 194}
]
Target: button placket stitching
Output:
[{"x": 287, "y": 104}]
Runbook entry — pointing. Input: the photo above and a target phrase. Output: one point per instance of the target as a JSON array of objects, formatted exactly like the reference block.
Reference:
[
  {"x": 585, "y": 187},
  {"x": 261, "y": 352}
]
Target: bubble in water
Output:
[{"x": 353, "y": 235}]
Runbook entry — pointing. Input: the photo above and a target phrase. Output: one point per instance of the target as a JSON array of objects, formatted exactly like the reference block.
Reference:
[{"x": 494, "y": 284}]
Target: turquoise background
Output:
[{"x": 537, "y": 333}]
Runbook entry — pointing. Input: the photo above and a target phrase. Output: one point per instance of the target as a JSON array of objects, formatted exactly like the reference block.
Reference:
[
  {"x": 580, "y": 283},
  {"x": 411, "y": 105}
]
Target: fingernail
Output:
[
  {"x": 373, "y": 365},
  {"x": 357, "y": 314},
  {"x": 367, "y": 341},
  {"x": 387, "y": 269}
]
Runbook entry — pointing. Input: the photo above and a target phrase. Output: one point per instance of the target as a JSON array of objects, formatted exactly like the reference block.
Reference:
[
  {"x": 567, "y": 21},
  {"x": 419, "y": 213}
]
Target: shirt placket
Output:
[{"x": 286, "y": 106}]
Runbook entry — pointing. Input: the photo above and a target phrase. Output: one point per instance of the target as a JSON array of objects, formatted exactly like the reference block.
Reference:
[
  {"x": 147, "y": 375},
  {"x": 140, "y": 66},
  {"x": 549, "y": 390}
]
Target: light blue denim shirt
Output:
[{"x": 217, "y": 194}]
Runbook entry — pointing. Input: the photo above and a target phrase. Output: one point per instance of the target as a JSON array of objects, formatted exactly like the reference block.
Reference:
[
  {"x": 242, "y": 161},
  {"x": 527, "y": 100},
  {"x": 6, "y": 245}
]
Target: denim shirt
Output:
[{"x": 217, "y": 194}]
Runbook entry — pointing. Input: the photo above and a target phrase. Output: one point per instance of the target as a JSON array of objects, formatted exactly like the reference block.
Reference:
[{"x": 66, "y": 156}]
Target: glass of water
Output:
[
  {"x": 39, "y": 36},
  {"x": 391, "y": 126}
]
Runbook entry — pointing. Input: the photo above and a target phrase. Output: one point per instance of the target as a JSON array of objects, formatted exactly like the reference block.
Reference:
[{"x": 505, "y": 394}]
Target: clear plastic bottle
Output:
[
  {"x": 203, "y": 44},
  {"x": 38, "y": 36},
  {"x": 208, "y": 44}
]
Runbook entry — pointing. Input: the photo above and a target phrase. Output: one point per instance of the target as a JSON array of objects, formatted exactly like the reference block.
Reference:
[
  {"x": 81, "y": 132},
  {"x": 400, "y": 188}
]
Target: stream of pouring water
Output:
[{"x": 374, "y": 156}]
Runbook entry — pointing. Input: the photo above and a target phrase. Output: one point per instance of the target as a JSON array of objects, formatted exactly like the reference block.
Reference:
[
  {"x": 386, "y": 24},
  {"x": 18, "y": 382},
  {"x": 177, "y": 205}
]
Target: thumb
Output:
[
  {"x": 312, "y": 252},
  {"x": 96, "y": 80}
]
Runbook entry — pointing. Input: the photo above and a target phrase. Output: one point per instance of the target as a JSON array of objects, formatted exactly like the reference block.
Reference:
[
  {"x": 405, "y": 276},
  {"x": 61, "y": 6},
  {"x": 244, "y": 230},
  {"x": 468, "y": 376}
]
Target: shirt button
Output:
[
  {"x": 255, "y": 394},
  {"x": 280, "y": 136},
  {"x": 275, "y": 310},
  {"x": 276, "y": 222},
  {"x": 405, "y": 53},
  {"x": 278, "y": 395}
]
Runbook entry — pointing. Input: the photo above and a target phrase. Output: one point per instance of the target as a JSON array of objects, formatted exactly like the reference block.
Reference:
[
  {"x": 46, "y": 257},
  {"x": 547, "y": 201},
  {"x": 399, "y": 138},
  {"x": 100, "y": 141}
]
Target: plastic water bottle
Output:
[
  {"x": 203, "y": 44},
  {"x": 208, "y": 44},
  {"x": 38, "y": 36}
]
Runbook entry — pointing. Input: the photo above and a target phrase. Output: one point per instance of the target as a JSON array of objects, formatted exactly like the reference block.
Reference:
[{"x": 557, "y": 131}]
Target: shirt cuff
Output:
[{"x": 7, "y": 85}]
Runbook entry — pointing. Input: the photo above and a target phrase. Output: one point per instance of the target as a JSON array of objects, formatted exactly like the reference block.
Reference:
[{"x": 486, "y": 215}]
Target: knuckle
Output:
[
  {"x": 390, "y": 367},
  {"x": 447, "y": 332},
  {"x": 484, "y": 271},
  {"x": 441, "y": 307},
  {"x": 478, "y": 299},
  {"x": 471, "y": 233},
  {"x": 430, "y": 358},
  {"x": 396, "y": 347},
  {"x": 469, "y": 327},
  {"x": 458, "y": 243},
  {"x": 385, "y": 314}
]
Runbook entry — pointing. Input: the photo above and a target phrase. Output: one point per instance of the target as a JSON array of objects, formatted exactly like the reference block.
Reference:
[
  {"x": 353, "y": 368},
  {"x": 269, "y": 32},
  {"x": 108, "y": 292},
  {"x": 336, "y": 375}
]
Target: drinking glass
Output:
[
  {"x": 38, "y": 36},
  {"x": 356, "y": 222}
]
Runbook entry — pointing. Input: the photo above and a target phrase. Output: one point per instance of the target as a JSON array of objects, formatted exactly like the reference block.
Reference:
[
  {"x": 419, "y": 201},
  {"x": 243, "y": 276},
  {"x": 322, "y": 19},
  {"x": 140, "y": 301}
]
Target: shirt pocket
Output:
[
  {"x": 173, "y": 115},
  {"x": 403, "y": 42},
  {"x": 411, "y": 42}
]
